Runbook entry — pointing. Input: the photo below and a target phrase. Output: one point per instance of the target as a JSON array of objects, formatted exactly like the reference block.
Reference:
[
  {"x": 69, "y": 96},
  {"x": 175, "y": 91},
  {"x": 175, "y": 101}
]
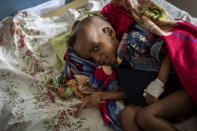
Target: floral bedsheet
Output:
[{"x": 27, "y": 60}]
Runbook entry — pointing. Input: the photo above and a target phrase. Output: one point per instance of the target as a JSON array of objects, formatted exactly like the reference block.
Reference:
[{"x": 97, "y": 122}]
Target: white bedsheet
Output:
[
  {"x": 176, "y": 12},
  {"x": 27, "y": 60}
]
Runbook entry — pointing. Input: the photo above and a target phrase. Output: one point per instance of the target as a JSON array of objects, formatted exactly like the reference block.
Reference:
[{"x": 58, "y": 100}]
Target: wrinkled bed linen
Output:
[{"x": 27, "y": 60}]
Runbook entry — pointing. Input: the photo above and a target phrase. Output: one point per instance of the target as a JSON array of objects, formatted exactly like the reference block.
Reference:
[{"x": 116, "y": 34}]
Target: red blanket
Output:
[
  {"x": 181, "y": 45},
  {"x": 182, "y": 49}
]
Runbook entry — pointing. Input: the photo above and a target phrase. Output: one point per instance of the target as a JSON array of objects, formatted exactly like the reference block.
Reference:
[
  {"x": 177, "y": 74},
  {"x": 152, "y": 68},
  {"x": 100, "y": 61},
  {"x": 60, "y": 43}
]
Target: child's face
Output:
[{"x": 97, "y": 44}]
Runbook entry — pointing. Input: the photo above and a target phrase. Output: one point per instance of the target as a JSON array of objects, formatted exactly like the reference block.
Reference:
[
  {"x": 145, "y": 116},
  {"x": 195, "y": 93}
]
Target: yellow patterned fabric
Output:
[
  {"x": 155, "y": 13},
  {"x": 149, "y": 16},
  {"x": 119, "y": 60}
]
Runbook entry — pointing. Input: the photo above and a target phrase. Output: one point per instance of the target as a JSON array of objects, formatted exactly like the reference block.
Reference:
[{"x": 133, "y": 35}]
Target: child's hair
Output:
[
  {"x": 78, "y": 25},
  {"x": 72, "y": 38}
]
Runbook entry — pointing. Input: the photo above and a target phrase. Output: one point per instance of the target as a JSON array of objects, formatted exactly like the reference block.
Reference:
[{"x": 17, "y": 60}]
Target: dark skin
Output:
[
  {"x": 155, "y": 116},
  {"x": 100, "y": 47},
  {"x": 97, "y": 42}
]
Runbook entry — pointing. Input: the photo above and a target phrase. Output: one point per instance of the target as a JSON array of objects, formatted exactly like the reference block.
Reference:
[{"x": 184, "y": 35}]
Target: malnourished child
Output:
[{"x": 94, "y": 39}]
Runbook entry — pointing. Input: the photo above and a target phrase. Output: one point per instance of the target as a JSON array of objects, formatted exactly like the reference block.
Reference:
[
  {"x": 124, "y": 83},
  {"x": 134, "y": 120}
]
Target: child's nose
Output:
[{"x": 96, "y": 58}]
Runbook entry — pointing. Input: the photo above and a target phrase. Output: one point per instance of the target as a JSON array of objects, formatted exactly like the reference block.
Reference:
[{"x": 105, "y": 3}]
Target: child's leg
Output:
[
  {"x": 127, "y": 117},
  {"x": 154, "y": 117}
]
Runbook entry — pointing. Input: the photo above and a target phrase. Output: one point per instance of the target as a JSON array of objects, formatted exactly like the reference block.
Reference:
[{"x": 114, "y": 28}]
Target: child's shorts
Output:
[{"x": 135, "y": 81}]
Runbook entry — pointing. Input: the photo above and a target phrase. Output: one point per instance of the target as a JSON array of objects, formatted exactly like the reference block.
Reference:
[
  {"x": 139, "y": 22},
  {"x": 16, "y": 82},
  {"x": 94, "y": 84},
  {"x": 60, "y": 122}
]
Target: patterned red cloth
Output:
[
  {"x": 104, "y": 112},
  {"x": 181, "y": 45},
  {"x": 98, "y": 79},
  {"x": 100, "y": 75},
  {"x": 119, "y": 18},
  {"x": 182, "y": 49}
]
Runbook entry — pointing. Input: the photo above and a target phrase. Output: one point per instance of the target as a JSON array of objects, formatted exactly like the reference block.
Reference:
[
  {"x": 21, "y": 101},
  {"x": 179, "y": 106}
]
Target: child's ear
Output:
[
  {"x": 75, "y": 25},
  {"x": 109, "y": 31}
]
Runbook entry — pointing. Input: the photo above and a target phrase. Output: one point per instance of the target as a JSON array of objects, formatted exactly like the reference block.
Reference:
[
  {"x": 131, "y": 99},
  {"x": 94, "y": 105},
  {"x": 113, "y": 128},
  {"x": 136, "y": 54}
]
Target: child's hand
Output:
[
  {"x": 153, "y": 91},
  {"x": 121, "y": 3},
  {"x": 90, "y": 101},
  {"x": 151, "y": 99},
  {"x": 155, "y": 88}
]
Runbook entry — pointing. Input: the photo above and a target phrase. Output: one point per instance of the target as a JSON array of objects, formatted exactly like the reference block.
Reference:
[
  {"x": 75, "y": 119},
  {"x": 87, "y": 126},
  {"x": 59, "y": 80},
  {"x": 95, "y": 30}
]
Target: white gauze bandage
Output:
[{"x": 155, "y": 88}]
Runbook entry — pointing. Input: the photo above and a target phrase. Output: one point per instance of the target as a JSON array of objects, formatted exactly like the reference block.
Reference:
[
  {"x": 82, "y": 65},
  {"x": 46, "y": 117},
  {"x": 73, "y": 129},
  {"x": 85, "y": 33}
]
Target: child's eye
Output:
[{"x": 96, "y": 48}]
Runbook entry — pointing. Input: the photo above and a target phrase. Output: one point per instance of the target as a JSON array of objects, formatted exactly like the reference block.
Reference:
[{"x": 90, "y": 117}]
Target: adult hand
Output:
[
  {"x": 89, "y": 101},
  {"x": 151, "y": 99}
]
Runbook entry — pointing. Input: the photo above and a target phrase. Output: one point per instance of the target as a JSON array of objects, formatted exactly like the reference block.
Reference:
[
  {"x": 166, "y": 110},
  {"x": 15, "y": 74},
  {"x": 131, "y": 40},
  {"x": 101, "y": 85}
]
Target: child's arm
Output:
[
  {"x": 162, "y": 76},
  {"x": 111, "y": 95},
  {"x": 165, "y": 69},
  {"x": 94, "y": 99}
]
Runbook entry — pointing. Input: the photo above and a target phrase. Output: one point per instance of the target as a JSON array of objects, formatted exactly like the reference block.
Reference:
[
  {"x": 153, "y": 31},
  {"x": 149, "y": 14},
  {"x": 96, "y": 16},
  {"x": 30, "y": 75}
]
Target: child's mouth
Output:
[{"x": 106, "y": 60}]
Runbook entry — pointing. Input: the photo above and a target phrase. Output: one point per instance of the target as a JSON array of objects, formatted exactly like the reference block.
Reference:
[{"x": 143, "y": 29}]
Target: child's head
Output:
[{"x": 94, "y": 39}]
